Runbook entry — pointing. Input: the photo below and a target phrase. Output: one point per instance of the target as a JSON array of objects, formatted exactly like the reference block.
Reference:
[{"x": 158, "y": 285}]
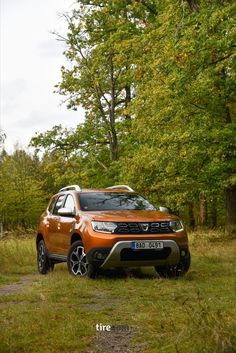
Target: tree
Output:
[
  {"x": 157, "y": 81},
  {"x": 100, "y": 41},
  {"x": 22, "y": 199},
  {"x": 101, "y": 37},
  {"x": 74, "y": 156},
  {"x": 2, "y": 139},
  {"x": 185, "y": 124}
]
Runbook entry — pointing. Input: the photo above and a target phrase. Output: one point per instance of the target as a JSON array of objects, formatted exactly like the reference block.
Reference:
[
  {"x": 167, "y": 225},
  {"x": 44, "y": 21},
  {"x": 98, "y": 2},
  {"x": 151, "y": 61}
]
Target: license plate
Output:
[{"x": 147, "y": 245}]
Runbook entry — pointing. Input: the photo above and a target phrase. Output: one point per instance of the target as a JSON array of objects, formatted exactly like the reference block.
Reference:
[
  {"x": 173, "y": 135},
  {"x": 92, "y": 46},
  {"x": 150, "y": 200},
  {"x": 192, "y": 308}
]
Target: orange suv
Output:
[{"x": 110, "y": 228}]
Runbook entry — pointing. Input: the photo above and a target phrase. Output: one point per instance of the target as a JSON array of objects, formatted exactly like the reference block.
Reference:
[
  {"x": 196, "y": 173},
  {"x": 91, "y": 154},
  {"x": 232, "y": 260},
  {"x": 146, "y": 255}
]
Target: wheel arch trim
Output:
[
  {"x": 38, "y": 238},
  {"x": 75, "y": 236}
]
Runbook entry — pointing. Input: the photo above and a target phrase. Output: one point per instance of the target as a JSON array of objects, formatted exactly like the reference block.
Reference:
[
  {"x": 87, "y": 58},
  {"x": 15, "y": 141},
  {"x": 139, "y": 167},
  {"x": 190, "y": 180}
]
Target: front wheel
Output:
[
  {"x": 44, "y": 263},
  {"x": 77, "y": 261},
  {"x": 175, "y": 271}
]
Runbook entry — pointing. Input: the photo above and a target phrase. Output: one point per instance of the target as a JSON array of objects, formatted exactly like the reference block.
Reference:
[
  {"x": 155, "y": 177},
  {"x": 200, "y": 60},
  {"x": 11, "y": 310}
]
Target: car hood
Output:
[{"x": 129, "y": 216}]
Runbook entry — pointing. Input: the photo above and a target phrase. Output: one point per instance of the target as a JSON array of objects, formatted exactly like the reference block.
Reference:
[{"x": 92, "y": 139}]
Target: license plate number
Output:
[{"x": 147, "y": 245}]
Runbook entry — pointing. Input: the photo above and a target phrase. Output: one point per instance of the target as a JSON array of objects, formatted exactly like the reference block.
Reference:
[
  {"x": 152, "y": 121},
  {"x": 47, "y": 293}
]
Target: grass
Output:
[
  {"x": 17, "y": 258},
  {"x": 58, "y": 313}
]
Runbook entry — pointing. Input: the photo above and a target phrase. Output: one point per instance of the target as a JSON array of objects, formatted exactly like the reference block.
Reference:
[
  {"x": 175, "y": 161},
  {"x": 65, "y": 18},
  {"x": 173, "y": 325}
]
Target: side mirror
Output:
[
  {"x": 164, "y": 209},
  {"x": 66, "y": 212}
]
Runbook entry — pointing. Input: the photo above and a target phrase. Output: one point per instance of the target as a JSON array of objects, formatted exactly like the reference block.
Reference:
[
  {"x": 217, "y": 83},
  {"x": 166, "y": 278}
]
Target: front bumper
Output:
[{"x": 122, "y": 255}]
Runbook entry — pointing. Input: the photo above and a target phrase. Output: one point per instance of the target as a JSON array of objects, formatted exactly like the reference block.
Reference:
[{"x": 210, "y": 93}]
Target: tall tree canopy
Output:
[
  {"x": 102, "y": 41},
  {"x": 185, "y": 105},
  {"x": 157, "y": 81}
]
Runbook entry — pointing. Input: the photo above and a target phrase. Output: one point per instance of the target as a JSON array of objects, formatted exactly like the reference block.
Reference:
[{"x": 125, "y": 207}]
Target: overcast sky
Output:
[{"x": 30, "y": 67}]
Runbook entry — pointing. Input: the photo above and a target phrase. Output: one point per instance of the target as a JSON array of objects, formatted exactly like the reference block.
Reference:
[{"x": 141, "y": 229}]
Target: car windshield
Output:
[{"x": 113, "y": 201}]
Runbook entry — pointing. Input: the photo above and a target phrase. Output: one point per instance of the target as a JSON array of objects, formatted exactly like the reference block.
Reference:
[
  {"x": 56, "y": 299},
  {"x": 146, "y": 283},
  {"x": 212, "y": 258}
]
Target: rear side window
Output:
[
  {"x": 52, "y": 204},
  {"x": 58, "y": 204}
]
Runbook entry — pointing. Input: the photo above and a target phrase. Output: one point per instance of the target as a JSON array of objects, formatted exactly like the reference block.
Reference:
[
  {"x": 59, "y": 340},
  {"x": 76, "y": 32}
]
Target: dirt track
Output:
[
  {"x": 103, "y": 342},
  {"x": 18, "y": 286}
]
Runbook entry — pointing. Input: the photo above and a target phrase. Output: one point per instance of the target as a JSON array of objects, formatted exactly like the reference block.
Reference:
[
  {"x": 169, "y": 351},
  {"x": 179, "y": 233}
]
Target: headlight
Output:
[
  {"x": 176, "y": 226},
  {"x": 104, "y": 227}
]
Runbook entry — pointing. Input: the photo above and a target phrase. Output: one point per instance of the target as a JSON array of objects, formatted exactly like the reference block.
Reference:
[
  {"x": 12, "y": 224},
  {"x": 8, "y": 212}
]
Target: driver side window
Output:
[{"x": 70, "y": 203}]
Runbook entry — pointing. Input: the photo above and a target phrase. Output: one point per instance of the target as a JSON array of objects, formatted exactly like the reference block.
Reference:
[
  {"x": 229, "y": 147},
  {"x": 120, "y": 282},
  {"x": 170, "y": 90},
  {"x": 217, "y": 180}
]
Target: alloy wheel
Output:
[
  {"x": 41, "y": 256},
  {"x": 78, "y": 261}
]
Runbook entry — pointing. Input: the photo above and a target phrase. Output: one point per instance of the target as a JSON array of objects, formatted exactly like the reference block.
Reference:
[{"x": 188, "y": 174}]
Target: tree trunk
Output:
[
  {"x": 127, "y": 100},
  {"x": 203, "y": 211},
  {"x": 114, "y": 145},
  {"x": 112, "y": 118},
  {"x": 191, "y": 216},
  {"x": 213, "y": 213},
  {"x": 231, "y": 209}
]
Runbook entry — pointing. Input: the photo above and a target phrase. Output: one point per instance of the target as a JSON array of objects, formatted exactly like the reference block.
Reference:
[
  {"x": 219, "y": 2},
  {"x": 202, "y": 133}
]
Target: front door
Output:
[
  {"x": 54, "y": 227},
  {"x": 66, "y": 226}
]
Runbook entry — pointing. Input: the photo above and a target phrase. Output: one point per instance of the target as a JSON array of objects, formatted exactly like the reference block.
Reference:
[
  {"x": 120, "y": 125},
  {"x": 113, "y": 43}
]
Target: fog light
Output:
[
  {"x": 99, "y": 255},
  {"x": 183, "y": 253}
]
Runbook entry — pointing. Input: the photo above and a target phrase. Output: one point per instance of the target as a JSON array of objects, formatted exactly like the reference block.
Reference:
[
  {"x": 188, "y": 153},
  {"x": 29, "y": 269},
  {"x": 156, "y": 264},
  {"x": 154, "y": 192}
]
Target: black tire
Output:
[
  {"x": 77, "y": 262},
  {"x": 92, "y": 271},
  {"x": 44, "y": 263},
  {"x": 175, "y": 271}
]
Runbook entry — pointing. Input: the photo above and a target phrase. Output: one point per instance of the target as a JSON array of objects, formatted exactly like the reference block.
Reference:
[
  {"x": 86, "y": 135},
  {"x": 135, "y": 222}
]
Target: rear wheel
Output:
[
  {"x": 44, "y": 263},
  {"x": 175, "y": 271},
  {"x": 77, "y": 261}
]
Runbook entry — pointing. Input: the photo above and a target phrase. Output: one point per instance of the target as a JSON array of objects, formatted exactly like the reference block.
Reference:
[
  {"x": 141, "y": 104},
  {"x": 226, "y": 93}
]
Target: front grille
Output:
[
  {"x": 143, "y": 228},
  {"x": 144, "y": 255}
]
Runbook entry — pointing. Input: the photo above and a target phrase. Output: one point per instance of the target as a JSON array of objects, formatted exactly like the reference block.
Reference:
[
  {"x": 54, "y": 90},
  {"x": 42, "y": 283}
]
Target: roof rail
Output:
[
  {"x": 127, "y": 187},
  {"x": 71, "y": 187}
]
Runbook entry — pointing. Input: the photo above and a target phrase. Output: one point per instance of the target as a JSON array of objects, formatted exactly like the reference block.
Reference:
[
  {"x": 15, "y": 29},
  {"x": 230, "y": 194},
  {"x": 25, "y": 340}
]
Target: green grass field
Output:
[{"x": 57, "y": 313}]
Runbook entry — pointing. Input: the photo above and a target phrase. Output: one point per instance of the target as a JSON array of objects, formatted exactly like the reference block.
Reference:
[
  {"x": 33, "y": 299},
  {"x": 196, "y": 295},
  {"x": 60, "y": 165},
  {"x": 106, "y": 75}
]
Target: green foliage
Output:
[
  {"x": 102, "y": 40},
  {"x": 157, "y": 81},
  {"x": 22, "y": 198},
  {"x": 75, "y": 156},
  {"x": 2, "y": 138},
  {"x": 185, "y": 128}
]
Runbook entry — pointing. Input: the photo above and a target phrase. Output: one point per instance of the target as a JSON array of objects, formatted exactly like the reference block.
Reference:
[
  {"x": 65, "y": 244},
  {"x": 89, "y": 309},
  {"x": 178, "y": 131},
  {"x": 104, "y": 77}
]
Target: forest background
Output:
[{"x": 157, "y": 83}]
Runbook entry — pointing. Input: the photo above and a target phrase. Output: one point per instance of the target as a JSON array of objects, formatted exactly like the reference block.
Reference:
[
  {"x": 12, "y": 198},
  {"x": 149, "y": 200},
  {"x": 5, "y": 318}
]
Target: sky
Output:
[{"x": 30, "y": 63}]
